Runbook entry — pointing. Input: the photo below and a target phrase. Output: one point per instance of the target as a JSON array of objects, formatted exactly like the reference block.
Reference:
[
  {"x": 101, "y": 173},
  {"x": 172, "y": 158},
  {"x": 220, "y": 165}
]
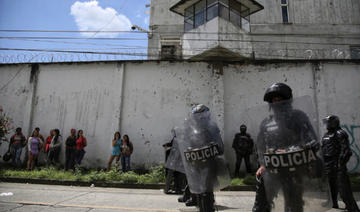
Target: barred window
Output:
[{"x": 205, "y": 10}]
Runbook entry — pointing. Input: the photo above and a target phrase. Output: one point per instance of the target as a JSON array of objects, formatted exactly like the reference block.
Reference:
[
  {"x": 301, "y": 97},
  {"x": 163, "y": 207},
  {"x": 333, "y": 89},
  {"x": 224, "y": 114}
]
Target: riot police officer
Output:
[
  {"x": 202, "y": 151},
  {"x": 286, "y": 144},
  {"x": 336, "y": 153},
  {"x": 172, "y": 177},
  {"x": 243, "y": 146}
]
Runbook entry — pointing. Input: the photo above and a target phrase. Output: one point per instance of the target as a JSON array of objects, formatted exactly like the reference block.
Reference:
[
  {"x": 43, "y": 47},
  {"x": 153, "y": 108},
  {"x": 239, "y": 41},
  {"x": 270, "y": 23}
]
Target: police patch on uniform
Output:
[
  {"x": 203, "y": 153},
  {"x": 289, "y": 159}
]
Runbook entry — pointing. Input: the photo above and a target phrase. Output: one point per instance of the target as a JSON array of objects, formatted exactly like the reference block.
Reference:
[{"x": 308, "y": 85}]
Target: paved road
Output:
[{"x": 32, "y": 197}]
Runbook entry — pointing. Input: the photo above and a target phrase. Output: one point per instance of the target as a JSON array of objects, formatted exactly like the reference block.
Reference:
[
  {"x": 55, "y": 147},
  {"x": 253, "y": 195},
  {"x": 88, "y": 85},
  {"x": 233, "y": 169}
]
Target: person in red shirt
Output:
[
  {"x": 81, "y": 143},
  {"x": 48, "y": 141}
]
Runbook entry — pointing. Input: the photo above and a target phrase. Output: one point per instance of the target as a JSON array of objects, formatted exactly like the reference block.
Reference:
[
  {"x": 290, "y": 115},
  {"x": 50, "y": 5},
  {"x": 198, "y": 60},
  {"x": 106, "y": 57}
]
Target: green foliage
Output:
[
  {"x": 45, "y": 173},
  {"x": 129, "y": 177},
  {"x": 355, "y": 179},
  {"x": 156, "y": 175},
  {"x": 250, "y": 180},
  {"x": 237, "y": 181}
]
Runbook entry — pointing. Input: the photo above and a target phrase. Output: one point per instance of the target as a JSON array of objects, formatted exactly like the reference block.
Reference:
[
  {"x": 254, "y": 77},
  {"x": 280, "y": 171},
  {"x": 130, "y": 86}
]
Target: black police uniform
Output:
[
  {"x": 286, "y": 128},
  {"x": 243, "y": 146},
  {"x": 336, "y": 152},
  {"x": 202, "y": 155},
  {"x": 174, "y": 180}
]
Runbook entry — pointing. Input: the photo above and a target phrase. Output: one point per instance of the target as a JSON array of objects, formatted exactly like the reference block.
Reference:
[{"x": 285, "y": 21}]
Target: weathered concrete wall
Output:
[
  {"x": 310, "y": 12},
  {"x": 322, "y": 29},
  {"x": 146, "y": 99},
  {"x": 163, "y": 23},
  {"x": 338, "y": 93},
  {"x": 16, "y": 90},
  {"x": 156, "y": 99}
]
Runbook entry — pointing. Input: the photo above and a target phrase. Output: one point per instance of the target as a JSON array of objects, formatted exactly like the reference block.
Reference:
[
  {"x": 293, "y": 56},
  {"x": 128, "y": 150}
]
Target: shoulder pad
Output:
[{"x": 341, "y": 133}]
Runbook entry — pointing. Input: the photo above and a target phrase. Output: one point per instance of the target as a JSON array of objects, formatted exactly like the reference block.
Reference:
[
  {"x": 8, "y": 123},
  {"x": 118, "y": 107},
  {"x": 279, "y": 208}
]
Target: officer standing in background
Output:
[
  {"x": 243, "y": 146},
  {"x": 336, "y": 153}
]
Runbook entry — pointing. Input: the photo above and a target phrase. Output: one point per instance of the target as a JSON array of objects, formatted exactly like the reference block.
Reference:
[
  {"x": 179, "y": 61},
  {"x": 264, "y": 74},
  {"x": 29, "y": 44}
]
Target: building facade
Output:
[{"x": 249, "y": 29}]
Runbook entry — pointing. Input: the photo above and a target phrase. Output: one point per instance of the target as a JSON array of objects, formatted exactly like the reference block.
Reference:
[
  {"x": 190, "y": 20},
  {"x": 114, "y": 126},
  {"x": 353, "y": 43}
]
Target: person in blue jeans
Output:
[
  {"x": 126, "y": 151},
  {"x": 17, "y": 142}
]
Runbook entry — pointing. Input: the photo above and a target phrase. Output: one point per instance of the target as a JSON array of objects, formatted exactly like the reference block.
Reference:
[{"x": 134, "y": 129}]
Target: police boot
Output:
[
  {"x": 192, "y": 201},
  {"x": 186, "y": 195},
  {"x": 206, "y": 202},
  {"x": 261, "y": 203},
  {"x": 352, "y": 207}
]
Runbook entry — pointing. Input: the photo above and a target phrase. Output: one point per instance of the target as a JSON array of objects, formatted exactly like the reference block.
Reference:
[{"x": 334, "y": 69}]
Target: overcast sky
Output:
[{"x": 81, "y": 15}]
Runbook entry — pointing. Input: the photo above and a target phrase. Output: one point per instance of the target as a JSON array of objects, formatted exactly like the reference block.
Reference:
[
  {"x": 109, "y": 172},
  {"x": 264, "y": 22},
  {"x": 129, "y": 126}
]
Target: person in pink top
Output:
[
  {"x": 81, "y": 143},
  {"x": 17, "y": 142},
  {"x": 34, "y": 145}
]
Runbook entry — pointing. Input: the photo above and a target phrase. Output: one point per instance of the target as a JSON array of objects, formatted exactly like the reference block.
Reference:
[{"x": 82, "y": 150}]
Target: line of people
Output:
[{"x": 35, "y": 145}]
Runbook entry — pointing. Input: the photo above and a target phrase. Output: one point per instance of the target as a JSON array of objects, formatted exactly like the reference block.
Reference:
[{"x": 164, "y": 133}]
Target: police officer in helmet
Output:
[
  {"x": 202, "y": 149},
  {"x": 283, "y": 132},
  {"x": 336, "y": 153},
  {"x": 243, "y": 146}
]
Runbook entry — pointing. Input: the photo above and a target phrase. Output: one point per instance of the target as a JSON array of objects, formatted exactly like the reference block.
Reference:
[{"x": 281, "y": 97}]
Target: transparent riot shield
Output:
[
  {"x": 202, "y": 151},
  {"x": 174, "y": 160},
  {"x": 288, "y": 148}
]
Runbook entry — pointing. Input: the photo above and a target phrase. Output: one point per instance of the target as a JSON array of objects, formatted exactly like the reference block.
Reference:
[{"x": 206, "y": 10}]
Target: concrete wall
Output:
[
  {"x": 322, "y": 29},
  {"x": 163, "y": 23},
  {"x": 145, "y": 99}
]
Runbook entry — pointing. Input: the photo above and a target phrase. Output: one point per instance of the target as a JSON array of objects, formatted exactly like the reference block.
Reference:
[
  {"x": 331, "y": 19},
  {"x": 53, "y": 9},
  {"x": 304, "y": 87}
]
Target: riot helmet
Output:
[
  {"x": 199, "y": 109},
  {"x": 331, "y": 122},
  {"x": 243, "y": 128},
  {"x": 200, "y": 114},
  {"x": 278, "y": 90}
]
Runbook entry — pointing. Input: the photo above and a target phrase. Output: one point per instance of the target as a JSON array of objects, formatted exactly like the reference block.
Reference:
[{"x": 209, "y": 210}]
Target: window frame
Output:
[
  {"x": 284, "y": 4},
  {"x": 219, "y": 5}
]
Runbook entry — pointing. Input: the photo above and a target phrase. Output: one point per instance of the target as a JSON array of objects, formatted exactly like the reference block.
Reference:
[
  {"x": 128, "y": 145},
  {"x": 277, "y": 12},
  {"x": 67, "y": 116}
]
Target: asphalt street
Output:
[{"x": 34, "y": 197}]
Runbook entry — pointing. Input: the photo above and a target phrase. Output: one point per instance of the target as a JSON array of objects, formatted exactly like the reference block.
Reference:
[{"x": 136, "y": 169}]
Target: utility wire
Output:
[
  {"x": 187, "y": 39},
  {"x": 184, "y": 49},
  {"x": 78, "y": 43},
  {"x": 340, "y": 35}
]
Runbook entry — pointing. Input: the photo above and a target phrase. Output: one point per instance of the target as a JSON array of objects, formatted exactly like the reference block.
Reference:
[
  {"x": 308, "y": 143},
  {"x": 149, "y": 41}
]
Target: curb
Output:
[
  {"x": 108, "y": 184},
  {"x": 81, "y": 183},
  {"x": 355, "y": 188}
]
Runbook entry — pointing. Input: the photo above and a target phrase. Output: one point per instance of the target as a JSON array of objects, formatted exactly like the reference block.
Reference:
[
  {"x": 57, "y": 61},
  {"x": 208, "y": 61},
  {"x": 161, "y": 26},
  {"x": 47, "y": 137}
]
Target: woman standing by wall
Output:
[
  {"x": 34, "y": 145},
  {"x": 81, "y": 143},
  {"x": 17, "y": 142},
  {"x": 55, "y": 147},
  {"x": 116, "y": 143},
  {"x": 70, "y": 148},
  {"x": 126, "y": 151}
]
